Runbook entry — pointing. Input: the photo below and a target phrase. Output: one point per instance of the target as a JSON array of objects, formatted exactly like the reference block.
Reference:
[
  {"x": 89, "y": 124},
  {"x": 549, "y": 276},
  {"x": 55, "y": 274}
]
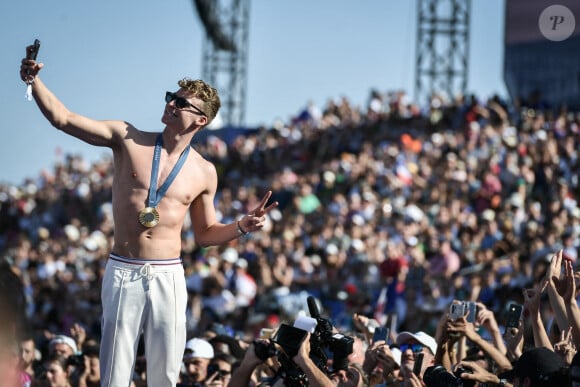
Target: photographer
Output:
[
  {"x": 219, "y": 370},
  {"x": 196, "y": 357},
  {"x": 243, "y": 374},
  {"x": 417, "y": 353},
  {"x": 261, "y": 351},
  {"x": 382, "y": 365},
  {"x": 86, "y": 366}
]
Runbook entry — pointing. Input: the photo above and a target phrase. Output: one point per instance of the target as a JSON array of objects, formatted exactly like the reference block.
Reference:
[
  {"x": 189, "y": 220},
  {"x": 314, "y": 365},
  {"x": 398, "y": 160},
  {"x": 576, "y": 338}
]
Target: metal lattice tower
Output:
[
  {"x": 225, "y": 48},
  {"x": 442, "y": 48}
]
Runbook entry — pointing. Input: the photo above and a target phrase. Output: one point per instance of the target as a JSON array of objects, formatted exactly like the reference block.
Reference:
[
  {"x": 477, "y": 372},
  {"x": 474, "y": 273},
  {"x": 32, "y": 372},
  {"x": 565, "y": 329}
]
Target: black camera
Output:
[
  {"x": 264, "y": 349},
  {"x": 286, "y": 343},
  {"x": 77, "y": 361},
  {"x": 438, "y": 376},
  {"x": 324, "y": 339},
  {"x": 287, "y": 337}
]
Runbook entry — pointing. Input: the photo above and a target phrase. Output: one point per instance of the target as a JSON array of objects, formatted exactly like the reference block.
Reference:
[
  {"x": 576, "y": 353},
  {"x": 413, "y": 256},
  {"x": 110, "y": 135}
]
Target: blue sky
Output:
[{"x": 111, "y": 59}]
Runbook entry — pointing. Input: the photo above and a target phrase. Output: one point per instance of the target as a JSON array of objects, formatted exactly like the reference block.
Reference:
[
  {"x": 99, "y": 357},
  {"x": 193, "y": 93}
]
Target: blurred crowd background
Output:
[{"x": 389, "y": 210}]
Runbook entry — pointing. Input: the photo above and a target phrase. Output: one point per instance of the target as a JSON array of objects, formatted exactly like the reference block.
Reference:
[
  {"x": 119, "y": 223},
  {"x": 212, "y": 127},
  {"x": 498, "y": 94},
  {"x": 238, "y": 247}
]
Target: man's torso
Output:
[{"x": 133, "y": 164}]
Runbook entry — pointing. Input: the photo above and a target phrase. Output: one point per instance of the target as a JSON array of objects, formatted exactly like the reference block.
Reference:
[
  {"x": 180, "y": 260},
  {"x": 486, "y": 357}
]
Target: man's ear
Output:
[{"x": 202, "y": 121}]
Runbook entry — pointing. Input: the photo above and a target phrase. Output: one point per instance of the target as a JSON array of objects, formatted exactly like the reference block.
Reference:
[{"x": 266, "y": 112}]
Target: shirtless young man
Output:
[{"x": 144, "y": 288}]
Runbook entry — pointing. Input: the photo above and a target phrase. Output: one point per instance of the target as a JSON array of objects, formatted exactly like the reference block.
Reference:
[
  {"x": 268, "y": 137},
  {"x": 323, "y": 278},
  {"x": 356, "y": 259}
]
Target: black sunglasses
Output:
[
  {"x": 181, "y": 103},
  {"x": 223, "y": 373}
]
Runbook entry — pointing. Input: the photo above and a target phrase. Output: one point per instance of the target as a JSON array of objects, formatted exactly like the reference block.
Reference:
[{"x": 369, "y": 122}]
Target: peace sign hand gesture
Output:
[{"x": 256, "y": 219}]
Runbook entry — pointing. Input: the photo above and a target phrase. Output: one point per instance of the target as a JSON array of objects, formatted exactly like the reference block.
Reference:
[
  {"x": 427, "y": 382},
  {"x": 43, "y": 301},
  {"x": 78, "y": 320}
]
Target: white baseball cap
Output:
[
  {"x": 63, "y": 339},
  {"x": 421, "y": 337},
  {"x": 198, "y": 348}
]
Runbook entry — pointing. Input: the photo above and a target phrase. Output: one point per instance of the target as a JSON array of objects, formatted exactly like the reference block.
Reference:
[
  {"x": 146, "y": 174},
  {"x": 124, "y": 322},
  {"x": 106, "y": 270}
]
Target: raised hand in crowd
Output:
[
  {"x": 316, "y": 377},
  {"x": 565, "y": 284},
  {"x": 412, "y": 380},
  {"x": 514, "y": 340},
  {"x": 477, "y": 373},
  {"x": 532, "y": 299},
  {"x": 486, "y": 318},
  {"x": 446, "y": 342},
  {"x": 553, "y": 273},
  {"x": 380, "y": 364},
  {"x": 462, "y": 327},
  {"x": 566, "y": 288},
  {"x": 79, "y": 334},
  {"x": 363, "y": 324},
  {"x": 565, "y": 346},
  {"x": 242, "y": 375}
]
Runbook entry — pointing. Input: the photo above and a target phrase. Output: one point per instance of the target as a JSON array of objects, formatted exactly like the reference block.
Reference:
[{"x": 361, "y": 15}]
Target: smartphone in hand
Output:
[
  {"x": 418, "y": 363},
  {"x": 380, "y": 334},
  {"x": 457, "y": 310},
  {"x": 472, "y": 311},
  {"x": 33, "y": 51},
  {"x": 514, "y": 314}
]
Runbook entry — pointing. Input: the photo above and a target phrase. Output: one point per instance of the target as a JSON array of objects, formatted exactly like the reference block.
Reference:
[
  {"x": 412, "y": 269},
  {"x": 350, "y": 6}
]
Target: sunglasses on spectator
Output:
[
  {"x": 181, "y": 103},
  {"x": 412, "y": 347}
]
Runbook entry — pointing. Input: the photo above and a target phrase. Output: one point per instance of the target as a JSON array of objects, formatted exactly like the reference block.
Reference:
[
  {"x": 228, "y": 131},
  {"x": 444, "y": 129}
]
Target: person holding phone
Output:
[
  {"x": 158, "y": 180},
  {"x": 416, "y": 348},
  {"x": 219, "y": 370},
  {"x": 462, "y": 329}
]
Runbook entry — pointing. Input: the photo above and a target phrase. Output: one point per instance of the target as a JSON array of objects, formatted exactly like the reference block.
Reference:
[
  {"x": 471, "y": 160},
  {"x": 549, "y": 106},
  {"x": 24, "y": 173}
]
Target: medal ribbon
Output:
[{"x": 155, "y": 195}]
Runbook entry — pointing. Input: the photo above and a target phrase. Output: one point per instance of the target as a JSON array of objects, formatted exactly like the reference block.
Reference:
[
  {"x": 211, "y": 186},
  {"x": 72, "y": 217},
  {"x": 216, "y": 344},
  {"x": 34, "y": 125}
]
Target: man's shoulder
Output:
[
  {"x": 202, "y": 162},
  {"x": 132, "y": 135}
]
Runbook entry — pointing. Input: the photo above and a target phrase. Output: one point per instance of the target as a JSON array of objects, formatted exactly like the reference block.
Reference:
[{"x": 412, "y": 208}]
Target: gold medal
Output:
[{"x": 149, "y": 217}]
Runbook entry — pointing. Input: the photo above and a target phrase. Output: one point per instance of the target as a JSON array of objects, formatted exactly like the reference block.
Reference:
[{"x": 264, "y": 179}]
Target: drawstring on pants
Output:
[{"x": 147, "y": 271}]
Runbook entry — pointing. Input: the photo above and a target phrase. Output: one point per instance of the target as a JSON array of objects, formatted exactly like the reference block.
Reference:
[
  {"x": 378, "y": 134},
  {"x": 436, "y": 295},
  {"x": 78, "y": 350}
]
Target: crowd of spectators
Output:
[{"x": 389, "y": 211}]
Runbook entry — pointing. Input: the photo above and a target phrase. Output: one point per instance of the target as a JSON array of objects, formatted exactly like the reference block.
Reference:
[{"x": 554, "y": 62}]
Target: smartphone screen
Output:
[
  {"x": 514, "y": 314},
  {"x": 456, "y": 310},
  {"x": 471, "y": 307},
  {"x": 380, "y": 334},
  {"x": 418, "y": 364},
  {"x": 34, "y": 51},
  {"x": 212, "y": 369}
]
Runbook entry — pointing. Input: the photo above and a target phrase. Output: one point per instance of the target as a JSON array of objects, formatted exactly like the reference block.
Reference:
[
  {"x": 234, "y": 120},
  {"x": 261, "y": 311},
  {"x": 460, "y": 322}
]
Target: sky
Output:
[{"x": 111, "y": 59}]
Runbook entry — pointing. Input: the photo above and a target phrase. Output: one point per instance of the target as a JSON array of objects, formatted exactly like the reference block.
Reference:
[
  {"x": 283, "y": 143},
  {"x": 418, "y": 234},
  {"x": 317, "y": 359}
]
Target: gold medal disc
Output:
[{"x": 149, "y": 217}]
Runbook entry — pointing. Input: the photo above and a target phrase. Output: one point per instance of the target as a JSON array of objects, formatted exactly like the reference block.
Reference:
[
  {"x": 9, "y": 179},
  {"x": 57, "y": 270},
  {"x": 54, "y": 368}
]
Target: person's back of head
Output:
[{"x": 540, "y": 367}]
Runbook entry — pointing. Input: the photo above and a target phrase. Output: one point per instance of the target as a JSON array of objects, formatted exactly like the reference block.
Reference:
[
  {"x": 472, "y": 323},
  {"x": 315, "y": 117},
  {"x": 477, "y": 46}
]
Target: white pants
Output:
[{"x": 142, "y": 296}]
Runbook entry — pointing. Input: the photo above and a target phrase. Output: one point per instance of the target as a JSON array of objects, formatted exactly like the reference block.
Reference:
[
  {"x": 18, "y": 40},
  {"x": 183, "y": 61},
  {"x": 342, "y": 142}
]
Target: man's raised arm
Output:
[{"x": 100, "y": 133}]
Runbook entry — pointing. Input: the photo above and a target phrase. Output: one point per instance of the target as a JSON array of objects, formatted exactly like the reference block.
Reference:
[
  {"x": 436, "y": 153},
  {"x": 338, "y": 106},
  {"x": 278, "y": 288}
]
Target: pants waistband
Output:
[{"x": 140, "y": 261}]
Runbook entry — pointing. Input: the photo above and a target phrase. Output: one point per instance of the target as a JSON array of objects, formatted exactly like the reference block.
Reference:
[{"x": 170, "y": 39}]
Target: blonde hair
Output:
[{"x": 204, "y": 92}]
